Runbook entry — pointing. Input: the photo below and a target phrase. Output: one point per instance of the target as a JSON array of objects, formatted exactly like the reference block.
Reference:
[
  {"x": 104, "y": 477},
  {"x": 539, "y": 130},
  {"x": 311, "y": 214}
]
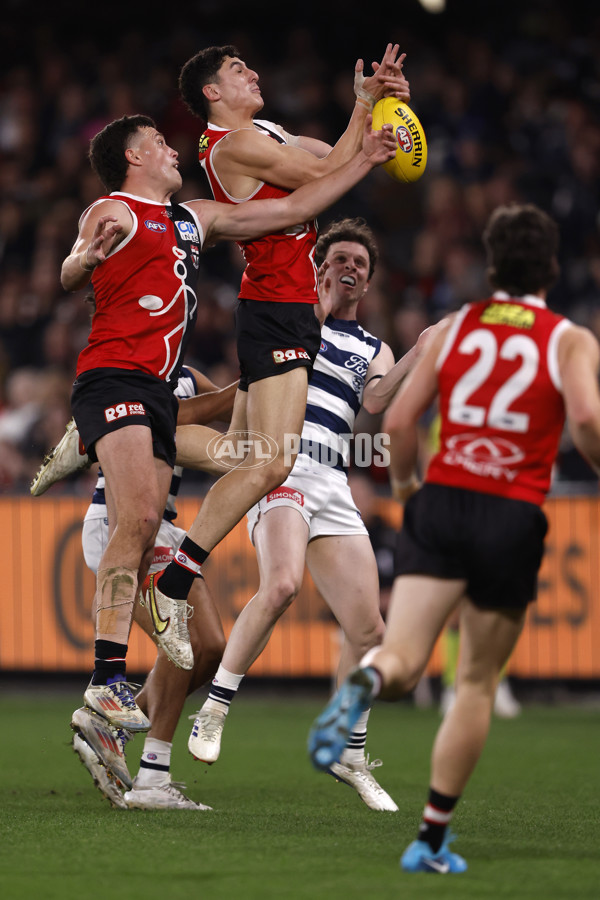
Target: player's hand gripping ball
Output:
[{"x": 411, "y": 156}]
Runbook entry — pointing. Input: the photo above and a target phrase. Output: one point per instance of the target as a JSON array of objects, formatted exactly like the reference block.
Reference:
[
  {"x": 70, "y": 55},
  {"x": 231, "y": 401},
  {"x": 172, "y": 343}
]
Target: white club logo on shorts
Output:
[{"x": 242, "y": 449}]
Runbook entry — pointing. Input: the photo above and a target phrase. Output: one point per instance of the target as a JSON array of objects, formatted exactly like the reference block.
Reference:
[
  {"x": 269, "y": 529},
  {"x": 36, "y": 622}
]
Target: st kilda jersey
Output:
[
  {"x": 145, "y": 292},
  {"x": 501, "y": 406},
  {"x": 279, "y": 267}
]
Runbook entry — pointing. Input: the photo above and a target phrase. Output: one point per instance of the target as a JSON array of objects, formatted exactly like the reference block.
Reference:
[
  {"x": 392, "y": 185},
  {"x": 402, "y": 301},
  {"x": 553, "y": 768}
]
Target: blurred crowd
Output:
[{"x": 511, "y": 112}]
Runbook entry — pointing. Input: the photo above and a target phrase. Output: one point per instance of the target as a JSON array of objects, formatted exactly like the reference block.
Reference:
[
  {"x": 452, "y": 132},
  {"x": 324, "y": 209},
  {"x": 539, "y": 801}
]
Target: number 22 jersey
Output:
[{"x": 501, "y": 406}]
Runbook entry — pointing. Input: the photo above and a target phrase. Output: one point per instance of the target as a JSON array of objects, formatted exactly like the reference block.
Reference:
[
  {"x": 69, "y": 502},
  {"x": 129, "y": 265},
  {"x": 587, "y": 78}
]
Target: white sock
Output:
[
  {"x": 155, "y": 762},
  {"x": 354, "y": 751},
  {"x": 222, "y": 690}
]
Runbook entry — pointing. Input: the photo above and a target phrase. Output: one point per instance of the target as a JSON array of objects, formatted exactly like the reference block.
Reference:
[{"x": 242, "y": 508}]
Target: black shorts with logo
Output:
[
  {"x": 273, "y": 338},
  {"x": 104, "y": 400},
  {"x": 495, "y": 543}
]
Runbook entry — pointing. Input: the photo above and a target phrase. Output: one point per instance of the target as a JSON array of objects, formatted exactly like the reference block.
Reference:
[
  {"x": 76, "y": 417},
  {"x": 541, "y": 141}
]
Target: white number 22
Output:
[{"x": 518, "y": 346}]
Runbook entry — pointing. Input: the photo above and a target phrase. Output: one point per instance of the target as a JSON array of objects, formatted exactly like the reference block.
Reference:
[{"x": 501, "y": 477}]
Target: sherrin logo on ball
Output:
[{"x": 411, "y": 156}]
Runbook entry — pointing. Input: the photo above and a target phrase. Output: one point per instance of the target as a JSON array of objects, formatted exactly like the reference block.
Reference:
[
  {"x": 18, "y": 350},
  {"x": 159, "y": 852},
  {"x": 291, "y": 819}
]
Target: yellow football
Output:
[{"x": 411, "y": 156}]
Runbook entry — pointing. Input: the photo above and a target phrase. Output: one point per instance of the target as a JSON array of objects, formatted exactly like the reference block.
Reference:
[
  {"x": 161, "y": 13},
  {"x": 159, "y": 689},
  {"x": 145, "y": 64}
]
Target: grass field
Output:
[{"x": 529, "y": 823}]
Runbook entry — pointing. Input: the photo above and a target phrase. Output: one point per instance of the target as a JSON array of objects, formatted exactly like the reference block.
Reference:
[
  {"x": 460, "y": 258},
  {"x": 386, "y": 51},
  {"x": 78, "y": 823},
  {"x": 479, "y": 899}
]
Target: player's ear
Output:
[
  {"x": 132, "y": 156},
  {"x": 211, "y": 92}
]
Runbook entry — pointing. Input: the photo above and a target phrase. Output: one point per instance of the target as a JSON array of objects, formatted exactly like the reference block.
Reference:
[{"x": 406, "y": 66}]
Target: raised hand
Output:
[
  {"x": 388, "y": 79},
  {"x": 379, "y": 146},
  {"x": 105, "y": 233}
]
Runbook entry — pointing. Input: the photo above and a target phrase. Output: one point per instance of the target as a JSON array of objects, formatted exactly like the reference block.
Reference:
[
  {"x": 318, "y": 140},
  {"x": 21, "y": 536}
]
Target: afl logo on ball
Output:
[{"x": 404, "y": 138}]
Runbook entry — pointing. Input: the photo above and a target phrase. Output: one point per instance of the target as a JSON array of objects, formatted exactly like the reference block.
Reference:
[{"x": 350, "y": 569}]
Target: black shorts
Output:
[
  {"x": 273, "y": 338},
  {"x": 496, "y": 544},
  {"x": 104, "y": 400}
]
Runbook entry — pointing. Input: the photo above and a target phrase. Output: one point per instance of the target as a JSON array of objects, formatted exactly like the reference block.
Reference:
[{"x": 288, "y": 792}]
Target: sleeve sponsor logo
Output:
[{"x": 121, "y": 410}]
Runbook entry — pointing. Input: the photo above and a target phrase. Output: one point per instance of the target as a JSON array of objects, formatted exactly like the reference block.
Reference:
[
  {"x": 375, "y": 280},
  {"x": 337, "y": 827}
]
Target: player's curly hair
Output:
[
  {"x": 355, "y": 230},
  {"x": 521, "y": 243},
  {"x": 202, "y": 69},
  {"x": 107, "y": 149}
]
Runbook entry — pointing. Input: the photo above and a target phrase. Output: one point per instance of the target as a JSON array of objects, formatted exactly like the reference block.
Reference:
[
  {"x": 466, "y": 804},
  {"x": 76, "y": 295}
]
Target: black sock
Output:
[
  {"x": 178, "y": 577},
  {"x": 109, "y": 662},
  {"x": 436, "y": 817}
]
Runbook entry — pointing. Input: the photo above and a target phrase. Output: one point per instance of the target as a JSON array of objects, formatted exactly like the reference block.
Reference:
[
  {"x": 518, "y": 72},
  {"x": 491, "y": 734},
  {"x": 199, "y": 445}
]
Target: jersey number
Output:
[{"x": 518, "y": 346}]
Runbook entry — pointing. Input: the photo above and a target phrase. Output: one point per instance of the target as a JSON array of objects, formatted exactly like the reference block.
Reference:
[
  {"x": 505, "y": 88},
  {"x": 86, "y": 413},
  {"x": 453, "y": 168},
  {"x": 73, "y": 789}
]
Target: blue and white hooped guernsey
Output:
[
  {"x": 335, "y": 391},
  {"x": 186, "y": 387}
]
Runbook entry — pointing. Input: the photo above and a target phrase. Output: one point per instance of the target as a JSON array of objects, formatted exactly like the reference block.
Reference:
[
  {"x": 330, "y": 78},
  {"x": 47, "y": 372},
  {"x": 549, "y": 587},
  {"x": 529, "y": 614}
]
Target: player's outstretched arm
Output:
[
  {"x": 384, "y": 377},
  {"x": 255, "y": 218},
  {"x": 415, "y": 395},
  {"x": 209, "y": 406}
]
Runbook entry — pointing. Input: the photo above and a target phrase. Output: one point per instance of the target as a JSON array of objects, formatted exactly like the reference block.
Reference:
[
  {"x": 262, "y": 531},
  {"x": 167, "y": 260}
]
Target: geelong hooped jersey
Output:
[
  {"x": 279, "y": 267},
  {"x": 335, "y": 391},
  {"x": 145, "y": 292},
  {"x": 186, "y": 387},
  {"x": 501, "y": 406}
]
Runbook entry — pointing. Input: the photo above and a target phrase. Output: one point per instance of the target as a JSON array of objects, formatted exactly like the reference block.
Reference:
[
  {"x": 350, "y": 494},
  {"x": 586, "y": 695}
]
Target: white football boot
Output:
[
  {"x": 115, "y": 703},
  {"x": 106, "y": 784},
  {"x": 205, "y": 740},
  {"x": 107, "y": 742},
  {"x": 169, "y": 618},
  {"x": 166, "y": 795},
  {"x": 62, "y": 460},
  {"x": 359, "y": 777}
]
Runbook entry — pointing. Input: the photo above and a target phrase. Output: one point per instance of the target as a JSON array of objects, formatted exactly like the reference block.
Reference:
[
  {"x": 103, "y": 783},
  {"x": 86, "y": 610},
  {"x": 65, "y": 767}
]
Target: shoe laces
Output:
[
  {"x": 180, "y": 622},
  {"x": 123, "y": 691},
  {"x": 122, "y": 736},
  {"x": 211, "y": 722},
  {"x": 369, "y": 766}
]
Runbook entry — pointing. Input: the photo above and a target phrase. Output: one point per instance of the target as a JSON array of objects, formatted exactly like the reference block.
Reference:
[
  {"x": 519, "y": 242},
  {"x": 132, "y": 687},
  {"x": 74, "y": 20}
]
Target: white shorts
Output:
[
  {"x": 321, "y": 495},
  {"x": 94, "y": 538}
]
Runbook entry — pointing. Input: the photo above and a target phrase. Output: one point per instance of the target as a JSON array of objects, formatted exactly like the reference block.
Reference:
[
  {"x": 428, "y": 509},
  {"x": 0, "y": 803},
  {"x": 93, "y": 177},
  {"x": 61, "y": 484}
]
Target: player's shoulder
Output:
[{"x": 575, "y": 338}]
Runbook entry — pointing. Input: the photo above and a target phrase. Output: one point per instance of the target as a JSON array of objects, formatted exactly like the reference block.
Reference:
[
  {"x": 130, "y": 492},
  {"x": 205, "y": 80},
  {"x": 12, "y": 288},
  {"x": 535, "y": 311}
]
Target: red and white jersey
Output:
[
  {"x": 145, "y": 292},
  {"x": 501, "y": 406},
  {"x": 279, "y": 267}
]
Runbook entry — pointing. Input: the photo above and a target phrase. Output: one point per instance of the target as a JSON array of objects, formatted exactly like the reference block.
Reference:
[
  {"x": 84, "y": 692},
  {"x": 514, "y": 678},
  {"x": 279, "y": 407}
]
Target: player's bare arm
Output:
[
  {"x": 105, "y": 226},
  {"x": 247, "y": 156},
  {"x": 210, "y": 405},
  {"x": 414, "y": 397},
  {"x": 256, "y": 218},
  {"x": 381, "y": 383},
  {"x": 579, "y": 362}
]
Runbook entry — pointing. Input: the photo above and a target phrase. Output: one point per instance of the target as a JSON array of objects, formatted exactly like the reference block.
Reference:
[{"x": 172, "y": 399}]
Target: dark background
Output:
[{"x": 508, "y": 94}]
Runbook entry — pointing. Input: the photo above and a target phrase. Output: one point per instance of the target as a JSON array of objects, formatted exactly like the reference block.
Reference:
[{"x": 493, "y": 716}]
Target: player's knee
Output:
[
  {"x": 280, "y": 593},
  {"x": 370, "y": 635}
]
